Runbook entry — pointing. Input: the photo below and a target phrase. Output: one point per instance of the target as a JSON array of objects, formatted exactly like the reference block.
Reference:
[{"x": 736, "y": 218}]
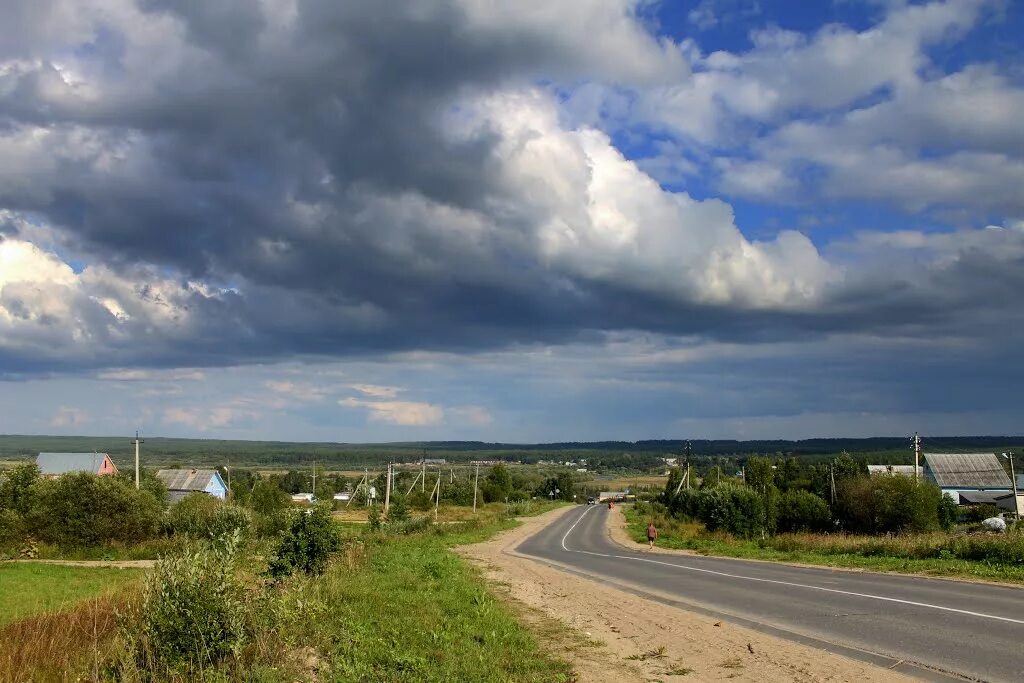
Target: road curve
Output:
[{"x": 919, "y": 626}]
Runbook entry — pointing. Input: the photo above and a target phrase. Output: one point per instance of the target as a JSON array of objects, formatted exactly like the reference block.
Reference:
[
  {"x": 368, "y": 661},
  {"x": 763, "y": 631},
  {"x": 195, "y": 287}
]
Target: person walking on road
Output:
[{"x": 652, "y": 533}]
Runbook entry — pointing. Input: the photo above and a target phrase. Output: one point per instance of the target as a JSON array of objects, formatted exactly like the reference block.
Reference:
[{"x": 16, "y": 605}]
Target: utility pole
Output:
[
  {"x": 476, "y": 485},
  {"x": 423, "y": 484},
  {"x": 387, "y": 490},
  {"x": 437, "y": 499},
  {"x": 832, "y": 478},
  {"x": 137, "y": 441},
  {"x": 227, "y": 469},
  {"x": 314, "y": 480},
  {"x": 1013, "y": 479},
  {"x": 917, "y": 456}
]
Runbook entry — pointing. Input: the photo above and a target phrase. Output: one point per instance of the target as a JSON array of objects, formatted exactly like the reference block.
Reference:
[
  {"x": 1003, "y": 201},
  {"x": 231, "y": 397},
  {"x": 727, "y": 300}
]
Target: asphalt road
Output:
[{"x": 919, "y": 626}]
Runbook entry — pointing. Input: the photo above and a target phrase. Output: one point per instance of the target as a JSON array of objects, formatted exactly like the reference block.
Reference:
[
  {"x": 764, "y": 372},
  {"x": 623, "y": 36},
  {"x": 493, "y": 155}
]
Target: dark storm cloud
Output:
[{"x": 298, "y": 165}]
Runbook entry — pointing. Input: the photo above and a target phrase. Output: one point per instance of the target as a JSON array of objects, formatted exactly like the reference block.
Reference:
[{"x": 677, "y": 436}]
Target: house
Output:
[
  {"x": 959, "y": 473},
  {"x": 343, "y": 496},
  {"x": 52, "y": 465},
  {"x": 617, "y": 496},
  {"x": 180, "y": 483},
  {"x": 1005, "y": 502},
  {"x": 303, "y": 498},
  {"x": 904, "y": 470}
]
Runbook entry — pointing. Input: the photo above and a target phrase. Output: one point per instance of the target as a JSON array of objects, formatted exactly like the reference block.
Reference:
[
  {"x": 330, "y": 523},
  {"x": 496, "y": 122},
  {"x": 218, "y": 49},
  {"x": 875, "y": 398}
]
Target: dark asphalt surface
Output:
[{"x": 970, "y": 629}]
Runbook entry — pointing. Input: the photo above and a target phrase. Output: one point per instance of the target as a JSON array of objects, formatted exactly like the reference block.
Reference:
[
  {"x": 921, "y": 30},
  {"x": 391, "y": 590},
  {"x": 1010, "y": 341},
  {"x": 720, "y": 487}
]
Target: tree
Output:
[
  {"x": 16, "y": 490},
  {"x": 497, "y": 485},
  {"x": 267, "y": 498},
  {"x": 759, "y": 474},
  {"x": 81, "y": 509}
]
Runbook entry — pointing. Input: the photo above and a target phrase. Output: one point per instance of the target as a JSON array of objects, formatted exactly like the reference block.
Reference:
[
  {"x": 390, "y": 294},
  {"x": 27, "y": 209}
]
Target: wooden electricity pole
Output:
[
  {"x": 387, "y": 490},
  {"x": 476, "y": 486},
  {"x": 137, "y": 441}
]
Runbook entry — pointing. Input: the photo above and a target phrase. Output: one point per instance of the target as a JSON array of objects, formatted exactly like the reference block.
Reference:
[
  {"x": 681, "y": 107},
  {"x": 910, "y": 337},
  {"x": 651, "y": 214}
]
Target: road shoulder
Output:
[{"x": 619, "y": 635}]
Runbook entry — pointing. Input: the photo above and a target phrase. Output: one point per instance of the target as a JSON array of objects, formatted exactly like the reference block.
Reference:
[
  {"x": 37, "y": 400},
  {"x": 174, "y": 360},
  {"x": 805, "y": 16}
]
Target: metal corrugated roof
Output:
[
  {"x": 186, "y": 480},
  {"x": 62, "y": 463},
  {"x": 970, "y": 470}
]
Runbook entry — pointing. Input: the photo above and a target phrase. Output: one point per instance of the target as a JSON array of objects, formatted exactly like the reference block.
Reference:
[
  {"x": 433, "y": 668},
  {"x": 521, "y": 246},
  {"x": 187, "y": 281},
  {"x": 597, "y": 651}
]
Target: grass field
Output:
[
  {"x": 417, "y": 612},
  {"x": 30, "y": 588},
  {"x": 903, "y": 554},
  {"x": 391, "y": 607}
]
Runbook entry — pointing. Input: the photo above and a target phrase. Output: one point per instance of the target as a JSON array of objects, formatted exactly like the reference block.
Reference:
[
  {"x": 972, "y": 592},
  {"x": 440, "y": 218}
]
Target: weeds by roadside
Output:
[{"x": 983, "y": 556}]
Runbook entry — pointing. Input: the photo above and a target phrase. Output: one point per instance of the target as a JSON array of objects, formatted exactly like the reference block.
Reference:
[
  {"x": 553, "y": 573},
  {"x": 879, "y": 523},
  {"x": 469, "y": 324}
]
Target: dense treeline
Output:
[
  {"x": 600, "y": 456},
  {"x": 788, "y": 495}
]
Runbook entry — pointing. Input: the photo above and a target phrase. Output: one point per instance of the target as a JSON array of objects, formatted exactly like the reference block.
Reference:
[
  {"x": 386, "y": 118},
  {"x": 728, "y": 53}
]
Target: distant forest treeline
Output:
[{"x": 600, "y": 455}]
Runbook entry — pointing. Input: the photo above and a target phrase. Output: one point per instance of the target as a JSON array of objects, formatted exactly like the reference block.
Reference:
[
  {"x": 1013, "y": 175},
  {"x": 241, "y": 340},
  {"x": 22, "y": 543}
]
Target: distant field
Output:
[
  {"x": 619, "y": 483},
  {"x": 30, "y": 588}
]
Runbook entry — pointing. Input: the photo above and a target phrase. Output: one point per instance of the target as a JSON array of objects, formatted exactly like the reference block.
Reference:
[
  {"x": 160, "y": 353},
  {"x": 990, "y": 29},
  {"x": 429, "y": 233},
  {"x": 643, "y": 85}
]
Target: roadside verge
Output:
[{"x": 632, "y": 638}]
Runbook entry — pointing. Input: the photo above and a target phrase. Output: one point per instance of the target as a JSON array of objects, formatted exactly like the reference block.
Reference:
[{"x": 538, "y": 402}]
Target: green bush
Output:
[
  {"x": 978, "y": 513},
  {"x": 399, "y": 510},
  {"x": 373, "y": 521},
  {"x": 888, "y": 504},
  {"x": 193, "y": 610},
  {"x": 948, "y": 513},
  {"x": 272, "y": 524},
  {"x": 200, "y": 515},
  {"x": 307, "y": 543},
  {"x": 17, "y": 491},
  {"x": 803, "y": 511},
  {"x": 12, "y": 527},
  {"x": 81, "y": 509},
  {"x": 734, "y": 509}
]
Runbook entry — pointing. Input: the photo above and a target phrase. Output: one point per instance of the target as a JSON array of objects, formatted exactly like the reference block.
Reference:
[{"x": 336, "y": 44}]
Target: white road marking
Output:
[{"x": 785, "y": 583}]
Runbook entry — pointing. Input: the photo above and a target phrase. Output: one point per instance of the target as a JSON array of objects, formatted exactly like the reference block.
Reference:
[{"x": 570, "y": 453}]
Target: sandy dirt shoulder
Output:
[{"x": 620, "y": 636}]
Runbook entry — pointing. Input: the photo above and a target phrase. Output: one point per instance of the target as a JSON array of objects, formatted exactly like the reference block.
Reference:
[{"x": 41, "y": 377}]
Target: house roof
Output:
[
  {"x": 969, "y": 470},
  {"x": 187, "y": 480},
  {"x": 981, "y": 497},
  {"x": 62, "y": 463}
]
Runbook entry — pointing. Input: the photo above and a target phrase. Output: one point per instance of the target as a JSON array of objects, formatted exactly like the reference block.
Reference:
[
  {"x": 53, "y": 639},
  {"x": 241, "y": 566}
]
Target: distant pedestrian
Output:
[{"x": 652, "y": 533}]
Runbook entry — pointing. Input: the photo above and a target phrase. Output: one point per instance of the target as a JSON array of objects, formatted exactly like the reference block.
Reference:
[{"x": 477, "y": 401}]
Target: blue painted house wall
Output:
[{"x": 217, "y": 487}]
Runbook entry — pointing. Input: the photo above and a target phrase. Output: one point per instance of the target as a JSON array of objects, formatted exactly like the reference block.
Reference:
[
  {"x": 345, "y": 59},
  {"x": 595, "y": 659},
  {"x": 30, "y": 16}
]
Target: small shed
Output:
[
  {"x": 958, "y": 473},
  {"x": 904, "y": 470},
  {"x": 52, "y": 465},
  {"x": 180, "y": 483}
]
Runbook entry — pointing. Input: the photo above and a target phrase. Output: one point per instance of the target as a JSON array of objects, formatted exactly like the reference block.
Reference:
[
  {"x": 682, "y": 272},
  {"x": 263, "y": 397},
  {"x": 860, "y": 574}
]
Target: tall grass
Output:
[
  {"x": 963, "y": 554},
  {"x": 59, "y": 646}
]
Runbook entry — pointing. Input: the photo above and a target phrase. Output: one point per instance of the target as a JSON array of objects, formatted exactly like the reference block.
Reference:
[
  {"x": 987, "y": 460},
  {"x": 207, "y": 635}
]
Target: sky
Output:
[{"x": 546, "y": 220}]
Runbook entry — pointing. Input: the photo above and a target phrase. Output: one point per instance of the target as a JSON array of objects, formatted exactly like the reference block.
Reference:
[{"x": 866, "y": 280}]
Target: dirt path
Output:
[
  {"x": 111, "y": 564},
  {"x": 621, "y": 636}
]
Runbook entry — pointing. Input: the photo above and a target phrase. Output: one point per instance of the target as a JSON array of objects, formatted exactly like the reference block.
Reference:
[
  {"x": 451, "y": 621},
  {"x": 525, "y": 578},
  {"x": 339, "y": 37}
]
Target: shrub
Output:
[
  {"x": 12, "y": 527},
  {"x": 193, "y": 609},
  {"x": 977, "y": 513},
  {"x": 373, "y": 521},
  {"x": 888, "y": 504},
  {"x": 734, "y": 509},
  {"x": 267, "y": 497},
  {"x": 803, "y": 511},
  {"x": 202, "y": 516},
  {"x": 948, "y": 513},
  {"x": 399, "y": 510},
  {"x": 272, "y": 524},
  {"x": 307, "y": 543},
  {"x": 81, "y": 509},
  {"x": 16, "y": 487}
]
